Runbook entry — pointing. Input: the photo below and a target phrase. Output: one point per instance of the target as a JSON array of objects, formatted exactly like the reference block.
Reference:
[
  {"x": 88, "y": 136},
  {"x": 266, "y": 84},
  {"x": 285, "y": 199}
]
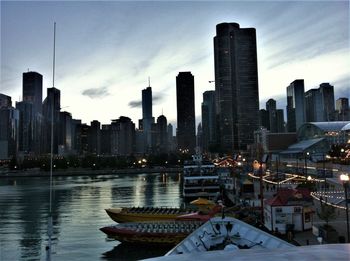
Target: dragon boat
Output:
[
  {"x": 160, "y": 232},
  {"x": 136, "y": 214}
]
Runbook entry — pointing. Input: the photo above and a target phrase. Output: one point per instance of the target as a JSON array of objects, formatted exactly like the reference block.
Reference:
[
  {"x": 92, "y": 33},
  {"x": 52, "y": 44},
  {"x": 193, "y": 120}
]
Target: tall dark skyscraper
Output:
[
  {"x": 295, "y": 105},
  {"x": 327, "y": 101},
  {"x": 186, "y": 126},
  {"x": 51, "y": 111},
  {"x": 33, "y": 90},
  {"x": 208, "y": 120},
  {"x": 236, "y": 85},
  {"x": 147, "y": 118},
  {"x": 271, "y": 109},
  {"x": 162, "y": 137}
]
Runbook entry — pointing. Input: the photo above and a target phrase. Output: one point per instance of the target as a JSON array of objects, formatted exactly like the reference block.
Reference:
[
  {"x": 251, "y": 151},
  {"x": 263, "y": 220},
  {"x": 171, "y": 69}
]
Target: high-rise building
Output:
[
  {"x": 26, "y": 130},
  {"x": 236, "y": 85},
  {"x": 162, "y": 139},
  {"x": 9, "y": 132},
  {"x": 280, "y": 121},
  {"x": 5, "y": 101},
  {"x": 147, "y": 118},
  {"x": 319, "y": 103},
  {"x": 171, "y": 143},
  {"x": 65, "y": 132},
  {"x": 327, "y": 101},
  {"x": 208, "y": 120},
  {"x": 122, "y": 136},
  {"x": 51, "y": 112},
  {"x": 33, "y": 90},
  {"x": 264, "y": 118},
  {"x": 295, "y": 105},
  {"x": 271, "y": 110},
  {"x": 95, "y": 138},
  {"x": 312, "y": 106},
  {"x": 342, "y": 109},
  {"x": 186, "y": 127}
]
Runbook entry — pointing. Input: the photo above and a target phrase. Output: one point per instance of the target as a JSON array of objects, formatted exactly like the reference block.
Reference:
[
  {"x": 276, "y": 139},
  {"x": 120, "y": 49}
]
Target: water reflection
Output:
[{"x": 78, "y": 213}]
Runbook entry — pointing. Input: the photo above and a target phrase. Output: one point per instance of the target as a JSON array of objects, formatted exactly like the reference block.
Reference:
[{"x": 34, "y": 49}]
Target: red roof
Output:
[{"x": 285, "y": 195}]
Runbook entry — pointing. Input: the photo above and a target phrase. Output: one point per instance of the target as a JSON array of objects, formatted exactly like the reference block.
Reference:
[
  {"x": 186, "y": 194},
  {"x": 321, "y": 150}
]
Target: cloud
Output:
[
  {"x": 138, "y": 103},
  {"x": 96, "y": 93},
  {"x": 135, "y": 104}
]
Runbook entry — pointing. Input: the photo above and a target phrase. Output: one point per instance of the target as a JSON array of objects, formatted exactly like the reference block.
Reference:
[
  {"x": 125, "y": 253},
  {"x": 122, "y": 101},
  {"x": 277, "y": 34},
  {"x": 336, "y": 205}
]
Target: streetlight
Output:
[
  {"x": 305, "y": 165},
  {"x": 345, "y": 179}
]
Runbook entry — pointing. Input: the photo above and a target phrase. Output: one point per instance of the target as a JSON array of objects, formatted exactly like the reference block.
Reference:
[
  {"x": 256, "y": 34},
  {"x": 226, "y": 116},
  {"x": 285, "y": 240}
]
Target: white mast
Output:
[{"x": 49, "y": 230}]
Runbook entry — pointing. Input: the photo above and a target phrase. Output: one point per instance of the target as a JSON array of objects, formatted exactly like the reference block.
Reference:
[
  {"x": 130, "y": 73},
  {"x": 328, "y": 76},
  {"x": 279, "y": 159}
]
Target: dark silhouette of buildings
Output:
[
  {"x": 186, "y": 128},
  {"x": 208, "y": 120},
  {"x": 342, "y": 112},
  {"x": 295, "y": 105},
  {"x": 147, "y": 118},
  {"x": 236, "y": 85},
  {"x": 51, "y": 112},
  {"x": 122, "y": 136},
  {"x": 95, "y": 137},
  {"x": 162, "y": 137},
  {"x": 33, "y": 90}
]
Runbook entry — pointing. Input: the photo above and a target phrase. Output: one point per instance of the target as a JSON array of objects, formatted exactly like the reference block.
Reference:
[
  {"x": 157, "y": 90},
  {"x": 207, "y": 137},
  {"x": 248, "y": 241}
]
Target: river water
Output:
[{"x": 78, "y": 213}]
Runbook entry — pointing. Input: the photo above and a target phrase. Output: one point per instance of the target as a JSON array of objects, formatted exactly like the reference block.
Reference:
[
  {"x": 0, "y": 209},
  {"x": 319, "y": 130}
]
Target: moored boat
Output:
[
  {"x": 136, "y": 214},
  {"x": 161, "y": 232}
]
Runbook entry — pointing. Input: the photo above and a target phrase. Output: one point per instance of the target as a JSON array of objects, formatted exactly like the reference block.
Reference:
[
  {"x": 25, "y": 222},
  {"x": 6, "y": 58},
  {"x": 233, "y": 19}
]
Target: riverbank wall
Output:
[{"x": 84, "y": 172}]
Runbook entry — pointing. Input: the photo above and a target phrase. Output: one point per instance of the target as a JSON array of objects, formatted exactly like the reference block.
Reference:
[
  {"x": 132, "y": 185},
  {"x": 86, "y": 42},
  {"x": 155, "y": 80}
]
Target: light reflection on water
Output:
[{"x": 78, "y": 213}]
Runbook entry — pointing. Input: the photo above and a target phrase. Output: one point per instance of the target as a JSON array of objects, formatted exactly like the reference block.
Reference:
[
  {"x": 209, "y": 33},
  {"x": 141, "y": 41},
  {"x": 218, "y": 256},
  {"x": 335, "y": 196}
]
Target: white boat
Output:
[
  {"x": 200, "y": 179},
  {"x": 227, "y": 234}
]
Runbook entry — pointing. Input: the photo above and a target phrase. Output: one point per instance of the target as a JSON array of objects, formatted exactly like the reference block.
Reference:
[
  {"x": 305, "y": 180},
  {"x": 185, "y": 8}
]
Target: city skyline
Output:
[{"x": 106, "y": 51}]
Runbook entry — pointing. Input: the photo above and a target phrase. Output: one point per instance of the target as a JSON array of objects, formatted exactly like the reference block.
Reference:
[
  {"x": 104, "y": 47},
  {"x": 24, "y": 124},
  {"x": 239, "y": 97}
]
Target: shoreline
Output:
[{"x": 84, "y": 172}]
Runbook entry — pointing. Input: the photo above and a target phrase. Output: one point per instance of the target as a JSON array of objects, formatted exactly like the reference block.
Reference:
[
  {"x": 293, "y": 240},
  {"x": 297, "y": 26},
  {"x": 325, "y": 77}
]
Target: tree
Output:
[{"x": 326, "y": 213}]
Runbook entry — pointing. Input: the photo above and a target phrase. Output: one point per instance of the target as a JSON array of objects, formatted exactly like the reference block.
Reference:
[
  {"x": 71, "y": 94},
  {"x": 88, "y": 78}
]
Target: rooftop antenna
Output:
[
  {"x": 49, "y": 230},
  {"x": 54, "y": 54}
]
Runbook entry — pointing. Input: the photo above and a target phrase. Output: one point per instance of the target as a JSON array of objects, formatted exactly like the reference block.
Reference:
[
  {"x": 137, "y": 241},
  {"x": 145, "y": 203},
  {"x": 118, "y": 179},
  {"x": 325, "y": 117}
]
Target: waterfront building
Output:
[
  {"x": 65, "y": 139},
  {"x": 208, "y": 120},
  {"x": 122, "y": 136},
  {"x": 9, "y": 132},
  {"x": 95, "y": 138},
  {"x": 295, "y": 105},
  {"x": 76, "y": 132},
  {"x": 171, "y": 143},
  {"x": 84, "y": 139},
  {"x": 147, "y": 118},
  {"x": 51, "y": 113},
  {"x": 236, "y": 85},
  {"x": 33, "y": 90},
  {"x": 186, "y": 128},
  {"x": 26, "y": 130},
  {"x": 162, "y": 138}
]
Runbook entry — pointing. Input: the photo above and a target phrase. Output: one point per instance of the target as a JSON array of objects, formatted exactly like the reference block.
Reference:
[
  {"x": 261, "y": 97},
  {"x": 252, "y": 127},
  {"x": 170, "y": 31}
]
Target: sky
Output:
[{"x": 105, "y": 51}]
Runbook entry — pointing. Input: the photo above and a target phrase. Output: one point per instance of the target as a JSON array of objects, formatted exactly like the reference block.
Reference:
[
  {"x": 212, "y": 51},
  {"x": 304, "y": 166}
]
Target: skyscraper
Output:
[
  {"x": 186, "y": 128},
  {"x": 162, "y": 139},
  {"x": 271, "y": 109},
  {"x": 295, "y": 105},
  {"x": 312, "y": 106},
  {"x": 51, "y": 112},
  {"x": 208, "y": 120},
  {"x": 327, "y": 101},
  {"x": 147, "y": 118},
  {"x": 33, "y": 90},
  {"x": 236, "y": 85},
  {"x": 342, "y": 109}
]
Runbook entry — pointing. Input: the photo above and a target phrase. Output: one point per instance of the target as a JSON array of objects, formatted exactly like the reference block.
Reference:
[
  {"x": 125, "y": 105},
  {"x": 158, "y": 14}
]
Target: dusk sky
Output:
[{"x": 105, "y": 51}]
